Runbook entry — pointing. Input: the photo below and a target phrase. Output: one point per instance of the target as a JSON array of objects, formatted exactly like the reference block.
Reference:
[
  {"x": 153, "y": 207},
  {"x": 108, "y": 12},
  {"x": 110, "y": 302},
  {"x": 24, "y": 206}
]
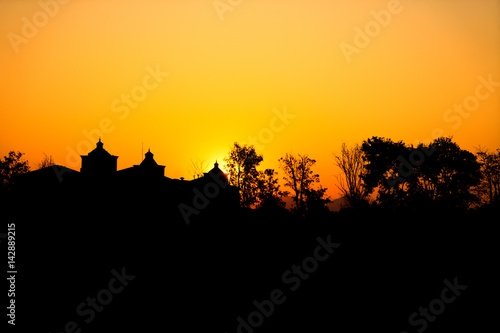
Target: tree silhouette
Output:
[
  {"x": 241, "y": 164},
  {"x": 351, "y": 164},
  {"x": 270, "y": 196},
  {"x": 381, "y": 169},
  {"x": 198, "y": 168},
  {"x": 316, "y": 202},
  {"x": 12, "y": 166},
  {"x": 447, "y": 176},
  {"x": 300, "y": 178},
  {"x": 490, "y": 170},
  {"x": 439, "y": 174},
  {"x": 47, "y": 161}
]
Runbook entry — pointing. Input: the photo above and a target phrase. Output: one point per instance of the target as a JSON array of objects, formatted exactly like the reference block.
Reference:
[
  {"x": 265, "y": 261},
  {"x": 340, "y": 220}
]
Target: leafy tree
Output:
[
  {"x": 440, "y": 173},
  {"x": 242, "y": 164},
  {"x": 489, "y": 186},
  {"x": 270, "y": 195},
  {"x": 381, "y": 169},
  {"x": 351, "y": 165},
  {"x": 12, "y": 166},
  {"x": 447, "y": 176},
  {"x": 316, "y": 202},
  {"x": 300, "y": 177}
]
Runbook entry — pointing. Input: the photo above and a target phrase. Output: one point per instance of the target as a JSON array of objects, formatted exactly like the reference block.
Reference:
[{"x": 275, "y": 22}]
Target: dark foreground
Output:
[{"x": 95, "y": 264}]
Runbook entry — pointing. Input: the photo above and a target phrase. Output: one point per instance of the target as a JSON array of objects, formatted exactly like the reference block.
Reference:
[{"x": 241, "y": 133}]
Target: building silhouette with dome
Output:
[
  {"x": 140, "y": 185},
  {"x": 99, "y": 162}
]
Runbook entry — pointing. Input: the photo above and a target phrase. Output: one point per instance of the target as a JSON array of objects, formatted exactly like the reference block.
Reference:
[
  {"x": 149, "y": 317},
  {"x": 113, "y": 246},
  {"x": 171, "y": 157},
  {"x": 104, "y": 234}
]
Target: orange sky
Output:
[{"x": 70, "y": 68}]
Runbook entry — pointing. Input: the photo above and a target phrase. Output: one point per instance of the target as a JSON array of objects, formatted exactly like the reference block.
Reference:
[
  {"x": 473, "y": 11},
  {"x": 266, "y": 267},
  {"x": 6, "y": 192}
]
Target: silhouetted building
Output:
[
  {"x": 99, "y": 162},
  {"x": 148, "y": 169},
  {"x": 143, "y": 184}
]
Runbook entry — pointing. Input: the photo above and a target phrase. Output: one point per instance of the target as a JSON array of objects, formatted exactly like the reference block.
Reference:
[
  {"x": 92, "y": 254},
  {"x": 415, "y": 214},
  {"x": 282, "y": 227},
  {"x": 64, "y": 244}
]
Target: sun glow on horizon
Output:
[{"x": 175, "y": 76}]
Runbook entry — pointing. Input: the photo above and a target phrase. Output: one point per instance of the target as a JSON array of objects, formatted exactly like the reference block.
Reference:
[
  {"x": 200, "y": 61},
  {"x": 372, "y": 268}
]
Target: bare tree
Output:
[
  {"x": 198, "y": 168},
  {"x": 351, "y": 164},
  {"x": 47, "y": 161}
]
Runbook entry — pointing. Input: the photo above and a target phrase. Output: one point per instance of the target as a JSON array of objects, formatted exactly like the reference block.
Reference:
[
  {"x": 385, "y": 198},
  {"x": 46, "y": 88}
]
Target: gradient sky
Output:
[{"x": 229, "y": 72}]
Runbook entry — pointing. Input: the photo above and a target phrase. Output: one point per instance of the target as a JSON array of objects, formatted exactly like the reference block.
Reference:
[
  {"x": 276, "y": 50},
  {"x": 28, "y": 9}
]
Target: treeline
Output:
[
  {"x": 261, "y": 189},
  {"x": 378, "y": 173}
]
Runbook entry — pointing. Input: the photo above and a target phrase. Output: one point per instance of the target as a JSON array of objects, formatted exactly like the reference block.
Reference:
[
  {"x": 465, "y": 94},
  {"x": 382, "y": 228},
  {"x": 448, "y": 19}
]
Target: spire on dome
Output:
[
  {"x": 98, "y": 161},
  {"x": 148, "y": 159},
  {"x": 149, "y": 167},
  {"x": 216, "y": 172}
]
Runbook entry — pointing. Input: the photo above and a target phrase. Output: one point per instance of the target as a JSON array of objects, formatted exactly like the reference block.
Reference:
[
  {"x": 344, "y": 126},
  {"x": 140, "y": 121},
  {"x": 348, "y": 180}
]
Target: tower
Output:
[
  {"x": 99, "y": 162},
  {"x": 149, "y": 167}
]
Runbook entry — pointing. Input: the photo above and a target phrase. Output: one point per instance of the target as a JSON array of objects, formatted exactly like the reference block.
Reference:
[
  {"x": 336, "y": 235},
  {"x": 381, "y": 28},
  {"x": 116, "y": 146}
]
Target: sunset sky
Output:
[{"x": 187, "y": 78}]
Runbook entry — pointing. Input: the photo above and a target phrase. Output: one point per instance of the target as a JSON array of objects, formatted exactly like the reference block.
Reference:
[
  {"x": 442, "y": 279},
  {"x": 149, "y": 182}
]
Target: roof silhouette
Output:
[{"x": 143, "y": 183}]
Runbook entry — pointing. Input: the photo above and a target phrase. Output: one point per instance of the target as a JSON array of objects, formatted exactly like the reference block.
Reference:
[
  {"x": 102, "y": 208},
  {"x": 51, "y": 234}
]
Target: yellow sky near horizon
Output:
[{"x": 227, "y": 78}]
